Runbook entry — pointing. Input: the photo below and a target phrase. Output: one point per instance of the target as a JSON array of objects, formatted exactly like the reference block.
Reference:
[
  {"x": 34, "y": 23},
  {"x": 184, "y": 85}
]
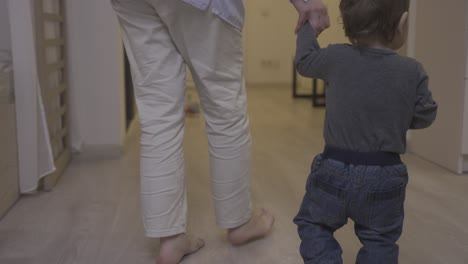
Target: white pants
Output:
[{"x": 162, "y": 37}]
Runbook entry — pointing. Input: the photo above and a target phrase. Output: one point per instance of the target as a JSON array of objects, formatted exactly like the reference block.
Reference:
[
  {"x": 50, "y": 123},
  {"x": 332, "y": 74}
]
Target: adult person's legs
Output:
[
  {"x": 158, "y": 72},
  {"x": 159, "y": 36},
  {"x": 213, "y": 51}
]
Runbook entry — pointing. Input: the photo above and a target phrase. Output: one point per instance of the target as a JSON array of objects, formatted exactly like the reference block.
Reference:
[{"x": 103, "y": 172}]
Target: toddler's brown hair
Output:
[{"x": 365, "y": 20}]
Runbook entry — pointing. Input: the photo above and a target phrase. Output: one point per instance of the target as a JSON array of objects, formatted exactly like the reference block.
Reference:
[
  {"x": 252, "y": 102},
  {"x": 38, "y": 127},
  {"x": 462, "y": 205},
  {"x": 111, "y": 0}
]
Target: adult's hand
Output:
[{"x": 313, "y": 11}]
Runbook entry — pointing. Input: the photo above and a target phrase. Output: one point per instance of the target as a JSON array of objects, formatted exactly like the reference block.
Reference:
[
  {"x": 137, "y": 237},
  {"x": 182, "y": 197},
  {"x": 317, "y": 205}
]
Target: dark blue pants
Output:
[{"x": 371, "y": 195}]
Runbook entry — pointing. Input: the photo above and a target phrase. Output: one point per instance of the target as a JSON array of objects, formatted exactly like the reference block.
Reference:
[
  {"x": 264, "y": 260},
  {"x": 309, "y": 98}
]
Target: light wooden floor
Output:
[{"x": 93, "y": 215}]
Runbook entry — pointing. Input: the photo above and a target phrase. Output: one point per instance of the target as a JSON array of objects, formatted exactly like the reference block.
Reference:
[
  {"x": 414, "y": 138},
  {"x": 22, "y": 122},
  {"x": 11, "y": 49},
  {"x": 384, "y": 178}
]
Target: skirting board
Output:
[{"x": 49, "y": 181}]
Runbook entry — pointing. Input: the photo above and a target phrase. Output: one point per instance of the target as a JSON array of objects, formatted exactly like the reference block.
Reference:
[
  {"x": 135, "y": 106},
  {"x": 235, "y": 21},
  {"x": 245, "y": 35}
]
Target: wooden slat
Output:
[
  {"x": 55, "y": 66},
  {"x": 54, "y": 92},
  {"x": 58, "y": 139},
  {"x": 54, "y": 42},
  {"x": 54, "y": 117},
  {"x": 50, "y": 17},
  {"x": 59, "y": 136},
  {"x": 62, "y": 111},
  {"x": 60, "y": 164},
  {"x": 57, "y": 114},
  {"x": 50, "y": 93}
]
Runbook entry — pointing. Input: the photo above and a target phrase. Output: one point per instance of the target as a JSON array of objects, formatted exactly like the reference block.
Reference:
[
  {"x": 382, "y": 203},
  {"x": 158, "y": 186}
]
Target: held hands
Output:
[{"x": 313, "y": 11}]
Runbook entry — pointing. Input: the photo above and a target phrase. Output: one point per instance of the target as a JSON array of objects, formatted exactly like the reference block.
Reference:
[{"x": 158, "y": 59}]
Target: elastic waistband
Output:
[{"x": 362, "y": 158}]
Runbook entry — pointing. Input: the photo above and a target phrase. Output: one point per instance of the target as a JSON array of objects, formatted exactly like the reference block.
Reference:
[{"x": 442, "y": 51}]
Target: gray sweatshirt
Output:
[{"x": 373, "y": 96}]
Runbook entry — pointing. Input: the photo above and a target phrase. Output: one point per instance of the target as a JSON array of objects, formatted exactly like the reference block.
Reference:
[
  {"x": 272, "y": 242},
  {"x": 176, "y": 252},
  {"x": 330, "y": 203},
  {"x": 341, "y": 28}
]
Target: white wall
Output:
[
  {"x": 465, "y": 118},
  {"x": 95, "y": 75},
  {"x": 465, "y": 114},
  {"x": 270, "y": 40},
  {"x": 441, "y": 47},
  {"x": 5, "y": 36}
]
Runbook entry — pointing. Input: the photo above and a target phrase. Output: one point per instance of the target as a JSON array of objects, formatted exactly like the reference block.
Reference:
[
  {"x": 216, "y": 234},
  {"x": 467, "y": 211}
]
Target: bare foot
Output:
[
  {"x": 174, "y": 248},
  {"x": 258, "y": 227}
]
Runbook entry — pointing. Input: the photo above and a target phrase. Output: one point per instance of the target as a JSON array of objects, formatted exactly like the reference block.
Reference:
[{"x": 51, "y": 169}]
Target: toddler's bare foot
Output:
[
  {"x": 174, "y": 248},
  {"x": 258, "y": 227}
]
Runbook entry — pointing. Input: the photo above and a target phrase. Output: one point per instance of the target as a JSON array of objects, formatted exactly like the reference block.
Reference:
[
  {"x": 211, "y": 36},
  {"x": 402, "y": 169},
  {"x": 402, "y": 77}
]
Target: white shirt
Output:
[{"x": 232, "y": 11}]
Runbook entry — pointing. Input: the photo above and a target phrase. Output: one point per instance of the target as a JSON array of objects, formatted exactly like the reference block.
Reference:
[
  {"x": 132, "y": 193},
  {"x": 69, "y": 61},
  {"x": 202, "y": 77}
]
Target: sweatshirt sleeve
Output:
[
  {"x": 311, "y": 60},
  {"x": 425, "y": 110}
]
